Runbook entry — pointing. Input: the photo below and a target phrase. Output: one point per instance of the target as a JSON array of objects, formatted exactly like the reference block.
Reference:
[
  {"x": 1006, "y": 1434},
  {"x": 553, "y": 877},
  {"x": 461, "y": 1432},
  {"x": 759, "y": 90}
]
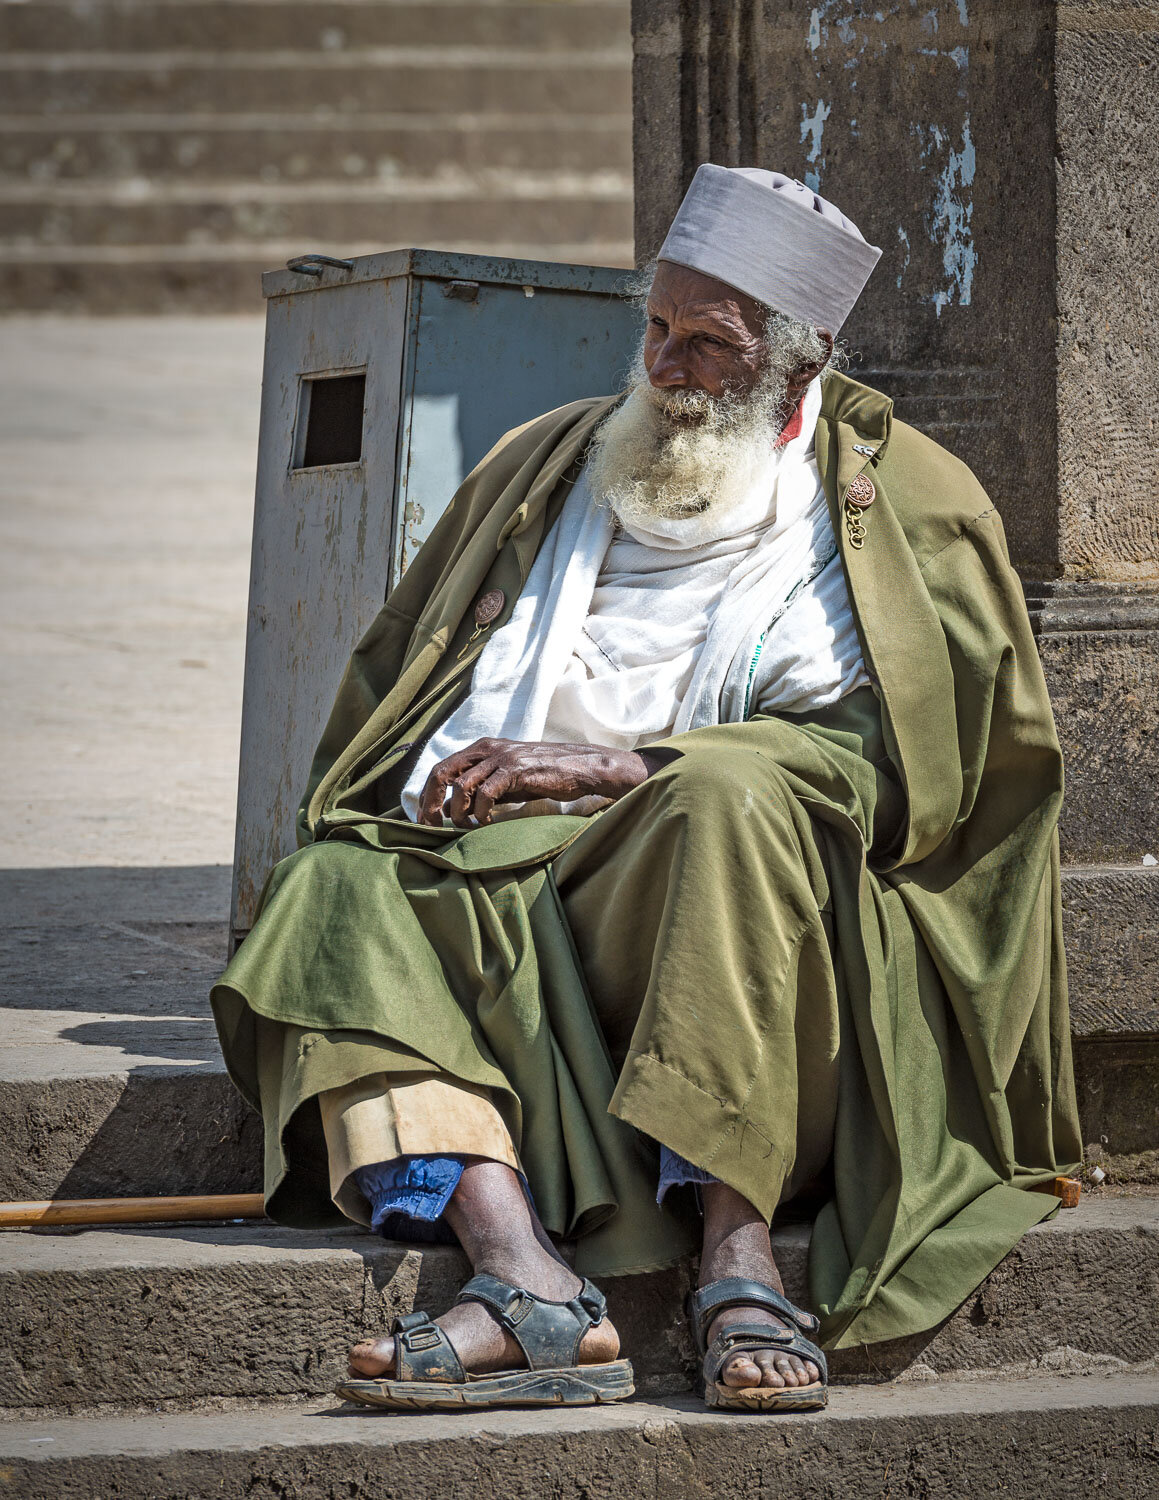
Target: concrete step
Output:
[
  {"x": 285, "y": 147},
  {"x": 1058, "y": 1437},
  {"x": 489, "y": 207},
  {"x": 337, "y": 25},
  {"x": 419, "y": 80},
  {"x": 268, "y": 1312},
  {"x": 1111, "y": 922},
  {"x": 126, "y": 101},
  {"x": 221, "y": 277},
  {"x": 111, "y": 1080}
]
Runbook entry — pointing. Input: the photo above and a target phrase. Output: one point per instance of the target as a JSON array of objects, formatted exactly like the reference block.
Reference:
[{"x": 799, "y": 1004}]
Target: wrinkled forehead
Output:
[{"x": 679, "y": 291}]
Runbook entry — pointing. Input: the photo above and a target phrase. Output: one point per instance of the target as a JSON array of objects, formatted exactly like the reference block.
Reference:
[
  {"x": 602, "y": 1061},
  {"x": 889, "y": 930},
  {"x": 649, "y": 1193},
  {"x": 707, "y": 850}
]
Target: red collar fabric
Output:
[{"x": 792, "y": 427}]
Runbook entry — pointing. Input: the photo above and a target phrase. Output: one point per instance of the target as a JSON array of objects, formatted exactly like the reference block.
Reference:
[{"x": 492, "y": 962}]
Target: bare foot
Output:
[
  {"x": 736, "y": 1243},
  {"x": 500, "y": 1234}
]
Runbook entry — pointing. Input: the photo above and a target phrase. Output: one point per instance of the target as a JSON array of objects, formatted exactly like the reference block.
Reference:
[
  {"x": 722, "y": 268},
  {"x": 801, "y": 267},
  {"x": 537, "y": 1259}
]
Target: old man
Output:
[{"x": 682, "y": 841}]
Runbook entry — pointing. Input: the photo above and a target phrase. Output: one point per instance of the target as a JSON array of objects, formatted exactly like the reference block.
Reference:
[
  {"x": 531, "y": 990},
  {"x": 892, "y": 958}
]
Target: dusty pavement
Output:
[{"x": 128, "y": 449}]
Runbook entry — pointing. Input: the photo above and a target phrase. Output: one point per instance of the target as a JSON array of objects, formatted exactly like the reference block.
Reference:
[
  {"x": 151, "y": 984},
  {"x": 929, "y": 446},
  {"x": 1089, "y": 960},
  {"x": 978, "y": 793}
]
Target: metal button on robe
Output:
[
  {"x": 861, "y": 492},
  {"x": 489, "y": 607}
]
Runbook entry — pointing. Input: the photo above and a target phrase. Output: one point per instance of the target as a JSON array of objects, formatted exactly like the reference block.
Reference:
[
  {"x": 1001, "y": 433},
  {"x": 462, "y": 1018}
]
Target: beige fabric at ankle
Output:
[{"x": 387, "y": 1115}]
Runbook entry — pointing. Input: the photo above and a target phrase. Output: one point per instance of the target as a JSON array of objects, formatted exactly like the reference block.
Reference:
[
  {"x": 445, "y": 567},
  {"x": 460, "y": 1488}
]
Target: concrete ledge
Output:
[
  {"x": 151, "y": 1134},
  {"x": 1117, "y": 1081},
  {"x": 240, "y": 25},
  {"x": 1057, "y": 1437},
  {"x": 432, "y": 79},
  {"x": 1083, "y": 1287},
  {"x": 254, "y": 1311},
  {"x": 220, "y": 278},
  {"x": 139, "y": 1315},
  {"x": 1111, "y": 927}
]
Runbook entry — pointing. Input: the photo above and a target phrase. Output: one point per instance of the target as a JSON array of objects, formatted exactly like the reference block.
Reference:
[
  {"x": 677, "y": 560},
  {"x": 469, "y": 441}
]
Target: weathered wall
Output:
[
  {"x": 1106, "y": 106},
  {"x": 1002, "y": 156}
]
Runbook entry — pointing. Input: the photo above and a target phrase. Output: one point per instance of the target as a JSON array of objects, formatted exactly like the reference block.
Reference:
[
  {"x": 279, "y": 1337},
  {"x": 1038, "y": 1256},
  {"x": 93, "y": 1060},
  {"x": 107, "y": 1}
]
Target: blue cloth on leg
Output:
[
  {"x": 676, "y": 1172},
  {"x": 408, "y": 1195}
]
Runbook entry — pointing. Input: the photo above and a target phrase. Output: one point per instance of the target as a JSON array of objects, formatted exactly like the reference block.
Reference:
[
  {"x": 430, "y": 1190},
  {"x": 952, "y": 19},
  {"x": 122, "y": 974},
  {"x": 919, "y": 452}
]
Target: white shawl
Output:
[{"x": 729, "y": 599}]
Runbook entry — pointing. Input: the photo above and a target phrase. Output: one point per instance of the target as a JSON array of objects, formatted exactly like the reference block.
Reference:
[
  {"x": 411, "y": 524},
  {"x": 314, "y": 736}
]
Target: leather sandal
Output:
[
  {"x": 744, "y": 1338},
  {"x": 429, "y": 1376}
]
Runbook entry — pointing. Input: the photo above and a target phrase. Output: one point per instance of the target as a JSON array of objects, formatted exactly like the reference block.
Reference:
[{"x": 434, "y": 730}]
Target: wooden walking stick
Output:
[{"x": 132, "y": 1210}]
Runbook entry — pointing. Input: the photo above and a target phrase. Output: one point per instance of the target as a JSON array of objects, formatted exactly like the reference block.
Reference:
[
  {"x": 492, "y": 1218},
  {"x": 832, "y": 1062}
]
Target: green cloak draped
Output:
[{"x": 852, "y": 915}]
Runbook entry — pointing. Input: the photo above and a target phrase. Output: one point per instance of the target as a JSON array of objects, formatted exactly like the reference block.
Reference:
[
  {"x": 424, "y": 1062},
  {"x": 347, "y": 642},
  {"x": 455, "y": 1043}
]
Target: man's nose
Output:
[{"x": 669, "y": 369}]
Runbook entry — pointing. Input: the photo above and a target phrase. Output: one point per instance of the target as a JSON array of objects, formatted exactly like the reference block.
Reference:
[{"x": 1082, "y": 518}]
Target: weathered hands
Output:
[{"x": 491, "y": 771}]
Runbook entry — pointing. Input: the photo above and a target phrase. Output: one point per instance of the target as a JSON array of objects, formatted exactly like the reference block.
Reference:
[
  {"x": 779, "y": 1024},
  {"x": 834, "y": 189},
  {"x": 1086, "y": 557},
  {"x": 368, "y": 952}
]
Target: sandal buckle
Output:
[
  {"x": 518, "y": 1309},
  {"x": 593, "y": 1302},
  {"x": 420, "y": 1338}
]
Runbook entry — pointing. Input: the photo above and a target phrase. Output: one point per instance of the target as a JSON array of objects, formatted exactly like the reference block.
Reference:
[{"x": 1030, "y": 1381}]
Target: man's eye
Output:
[
  {"x": 707, "y": 338},
  {"x": 658, "y": 323}
]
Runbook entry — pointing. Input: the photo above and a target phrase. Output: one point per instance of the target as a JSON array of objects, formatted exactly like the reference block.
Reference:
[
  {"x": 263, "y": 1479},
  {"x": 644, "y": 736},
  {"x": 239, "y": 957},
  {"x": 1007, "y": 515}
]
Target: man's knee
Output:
[
  {"x": 721, "y": 783},
  {"x": 316, "y": 869}
]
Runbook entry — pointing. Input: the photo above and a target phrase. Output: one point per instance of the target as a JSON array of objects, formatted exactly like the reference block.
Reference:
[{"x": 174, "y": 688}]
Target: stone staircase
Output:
[
  {"x": 195, "y": 1361},
  {"x": 157, "y": 155}
]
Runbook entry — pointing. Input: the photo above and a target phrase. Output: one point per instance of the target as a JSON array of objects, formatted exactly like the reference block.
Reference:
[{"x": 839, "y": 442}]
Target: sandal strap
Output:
[
  {"x": 424, "y": 1352},
  {"x": 549, "y": 1333},
  {"x": 738, "y": 1291},
  {"x": 741, "y": 1338}
]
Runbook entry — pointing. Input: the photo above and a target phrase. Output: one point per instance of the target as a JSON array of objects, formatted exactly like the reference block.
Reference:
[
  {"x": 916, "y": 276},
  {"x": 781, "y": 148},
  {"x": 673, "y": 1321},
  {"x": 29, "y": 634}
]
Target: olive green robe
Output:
[{"x": 833, "y": 928}]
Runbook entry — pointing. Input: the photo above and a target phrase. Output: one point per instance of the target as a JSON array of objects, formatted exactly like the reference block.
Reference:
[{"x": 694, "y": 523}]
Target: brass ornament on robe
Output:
[
  {"x": 858, "y": 498},
  {"x": 487, "y": 610},
  {"x": 489, "y": 606}
]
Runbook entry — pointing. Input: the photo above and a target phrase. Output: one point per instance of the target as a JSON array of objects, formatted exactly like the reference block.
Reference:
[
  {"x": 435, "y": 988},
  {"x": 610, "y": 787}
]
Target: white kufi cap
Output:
[{"x": 774, "y": 238}]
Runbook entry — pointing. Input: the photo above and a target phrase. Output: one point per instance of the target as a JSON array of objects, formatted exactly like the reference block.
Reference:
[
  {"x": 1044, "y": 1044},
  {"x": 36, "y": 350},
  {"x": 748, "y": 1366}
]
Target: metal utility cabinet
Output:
[{"x": 386, "y": 379}]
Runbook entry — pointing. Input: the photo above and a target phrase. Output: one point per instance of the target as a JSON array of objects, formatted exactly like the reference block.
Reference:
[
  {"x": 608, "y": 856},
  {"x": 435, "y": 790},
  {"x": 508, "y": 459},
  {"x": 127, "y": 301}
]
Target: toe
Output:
[
  {"x": 741, "y": 1371},
  {"x": 805, "y": 1371},
  {"x": 784, "y": 1367},
  {"x": 372, "y": 1358},
  {"x": 771, "y": 1374}
]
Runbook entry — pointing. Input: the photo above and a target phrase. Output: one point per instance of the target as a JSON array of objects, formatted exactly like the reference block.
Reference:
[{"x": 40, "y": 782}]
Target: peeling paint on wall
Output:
[
  {"x": 952, "y": 213},
  {"x": 813, "y": 126},
  {"x": 842, "y": 36},
  {"x": 812, "y": 130},
  {"x": 904, "y": 238}
]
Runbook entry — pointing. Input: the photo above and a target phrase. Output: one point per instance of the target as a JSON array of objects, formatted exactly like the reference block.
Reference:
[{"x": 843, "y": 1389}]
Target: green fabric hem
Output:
[
  {"x": 927, "y": 1287},
  {"x": 706, "y": 1131}
]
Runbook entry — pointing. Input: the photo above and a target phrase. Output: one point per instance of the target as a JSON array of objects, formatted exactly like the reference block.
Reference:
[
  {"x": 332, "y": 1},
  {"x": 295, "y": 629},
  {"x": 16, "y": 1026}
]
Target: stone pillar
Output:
[{"x": 1002, "y": 153}]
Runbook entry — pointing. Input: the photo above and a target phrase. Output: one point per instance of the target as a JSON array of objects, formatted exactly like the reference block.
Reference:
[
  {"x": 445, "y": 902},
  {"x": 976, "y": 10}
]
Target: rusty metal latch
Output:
[{"x": 314, "y": 265}]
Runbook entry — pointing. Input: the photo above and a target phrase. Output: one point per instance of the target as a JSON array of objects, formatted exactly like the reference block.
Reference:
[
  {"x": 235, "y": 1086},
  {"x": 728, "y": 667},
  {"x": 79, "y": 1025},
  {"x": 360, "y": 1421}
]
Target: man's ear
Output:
[
  {"x": 806, "y": 374},
  {"x": 811, "y": 371}
]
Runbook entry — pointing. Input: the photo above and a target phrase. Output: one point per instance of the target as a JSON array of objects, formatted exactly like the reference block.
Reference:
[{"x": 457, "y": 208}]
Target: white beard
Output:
[{"x": 646, "y": 466}]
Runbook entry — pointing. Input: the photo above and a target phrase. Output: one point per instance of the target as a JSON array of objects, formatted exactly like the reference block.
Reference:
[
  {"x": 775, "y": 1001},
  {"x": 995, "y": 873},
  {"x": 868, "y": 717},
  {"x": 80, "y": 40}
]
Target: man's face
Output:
[
  {"x": 715, "y": 379},
  {"x": 702, "y": 335}
]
